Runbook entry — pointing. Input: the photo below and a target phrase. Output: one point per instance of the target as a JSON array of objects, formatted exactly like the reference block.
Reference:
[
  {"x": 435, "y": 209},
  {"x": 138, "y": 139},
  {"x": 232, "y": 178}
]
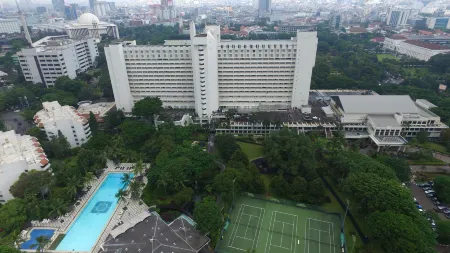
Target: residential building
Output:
[
  {"x": 294, "y": 27},
  {"x": 167, "y": 11},
  {"x": 70, "y": 11},
  {"x": 208, "y": 74},
  {"x": 357, "y": 30},
  {"x": 438, "y": 22},
  {"x": 397, "y": 17},
  {"x": 421, "y": 50},
  {"x": 336, "y": 22},
  {"x": 9, "y": 26},
  {"x": 92, "y": 5},
  {"x": 99, "y": 110},
  {"x": 58, "y": 5},
  {"x": 18, "y": 154},
  {"x": 387, "y": 120},
  {"x": 54, "y": 118},
  {"x": 56, "y": 56},
  {"x": 103, "y": 8},
  {"x": 88, "y": 25},
  {"x": 264, "y": 7},
  {"x": 417, "y": 23}
]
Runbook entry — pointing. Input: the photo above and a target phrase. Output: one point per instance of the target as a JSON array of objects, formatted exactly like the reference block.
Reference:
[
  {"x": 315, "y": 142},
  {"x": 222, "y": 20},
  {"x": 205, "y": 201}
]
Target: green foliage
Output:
[
  {"x": 151, "y": 34},
  {"x": 208, "y": 216},
  {"x": 373, "y": 193},
  {"x": 442, "y": 188},
  {"x": 93, "y": 124},
  {"x": 98, "y": 141},
  {"x": 400, "y": 166},
  {"x": 8, "y": 249},
  {"x": 226, "y": 144},
  {"x": 64, "y": 98},
  {"x": 90, "y": 160},
  {"x": 2, "y": 126},
  {"x": 440, "y": 63},
  {"x": 136, "y": 132},
  {"x": 36, "y": 132},
  {"x": 13, "y": 215},
  {"x": 33, "y": 183},
  {"x": 400, "y": 233},
  {"x": 114, "y": 119},
  {"x": 183, "y": 196},
  {"x": 147, "y": 107},
  {"x": 443, "y": 231},
  {"x": 422, "y": 136},
  {"x": 240, "y": 157}
]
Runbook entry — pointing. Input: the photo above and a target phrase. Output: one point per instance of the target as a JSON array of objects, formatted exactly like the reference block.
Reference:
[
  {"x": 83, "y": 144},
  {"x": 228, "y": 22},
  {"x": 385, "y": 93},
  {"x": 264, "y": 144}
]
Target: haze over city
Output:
[{"x": 202, "y": 126}]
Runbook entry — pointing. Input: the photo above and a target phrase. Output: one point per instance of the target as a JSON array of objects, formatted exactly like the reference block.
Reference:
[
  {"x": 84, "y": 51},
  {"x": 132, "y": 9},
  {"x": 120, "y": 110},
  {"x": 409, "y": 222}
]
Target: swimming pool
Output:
[
  {"x": 35, "y": 233},
  {"x": 86, "y": 229}
]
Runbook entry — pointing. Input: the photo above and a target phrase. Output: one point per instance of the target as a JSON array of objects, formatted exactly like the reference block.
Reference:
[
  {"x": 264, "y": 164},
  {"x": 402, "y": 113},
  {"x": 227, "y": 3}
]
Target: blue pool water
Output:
[
  {"x": 35, "y": 233},
  {"x": 86, "y": 229}
]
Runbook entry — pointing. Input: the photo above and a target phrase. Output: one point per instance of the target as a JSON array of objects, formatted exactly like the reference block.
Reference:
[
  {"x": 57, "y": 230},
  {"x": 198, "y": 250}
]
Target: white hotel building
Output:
[
  {"x": 54, "y": 118},
  {"x": 421, "y": 50},
  {"x": 208, "y": 74},
  {"x": 18, "y": 154},
  {"x": 56, "y": 56}
]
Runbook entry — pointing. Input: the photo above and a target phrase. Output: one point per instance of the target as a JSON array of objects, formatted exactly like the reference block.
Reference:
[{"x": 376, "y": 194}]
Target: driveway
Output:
[
  {"x": 15, "y": 121},
  {"x": 430, "y": 168},
  {"x": 423, "y": 200}
]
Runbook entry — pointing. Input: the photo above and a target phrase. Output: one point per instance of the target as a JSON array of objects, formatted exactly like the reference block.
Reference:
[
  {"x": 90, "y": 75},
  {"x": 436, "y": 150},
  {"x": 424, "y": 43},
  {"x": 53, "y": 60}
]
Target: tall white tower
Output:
[{"x": 24, "y": 25}]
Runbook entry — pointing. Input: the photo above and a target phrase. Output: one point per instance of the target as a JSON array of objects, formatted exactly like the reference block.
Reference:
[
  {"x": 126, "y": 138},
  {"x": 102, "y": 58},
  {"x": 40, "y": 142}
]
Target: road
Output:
[
  {"x": 15, "y": 121},
  {"x": 430, "y": 168},
  {"x": 423, "y": 200}
]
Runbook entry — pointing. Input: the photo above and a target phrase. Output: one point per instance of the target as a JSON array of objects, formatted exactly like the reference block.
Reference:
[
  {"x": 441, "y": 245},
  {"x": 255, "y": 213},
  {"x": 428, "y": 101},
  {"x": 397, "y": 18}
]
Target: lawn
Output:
[
  {"x": 251, "y": 150},
  {"x": 381, "y": 57},
  {"x": 434, "y": 146}
]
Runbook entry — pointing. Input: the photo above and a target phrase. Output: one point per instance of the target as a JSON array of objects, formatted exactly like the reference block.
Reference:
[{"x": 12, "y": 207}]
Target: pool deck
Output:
[{"x": 133, "y": 208}]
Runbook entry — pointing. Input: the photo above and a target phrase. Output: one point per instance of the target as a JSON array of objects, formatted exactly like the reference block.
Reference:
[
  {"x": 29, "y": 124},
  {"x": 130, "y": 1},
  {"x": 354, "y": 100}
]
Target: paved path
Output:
[{"x": 430, "y": 168}]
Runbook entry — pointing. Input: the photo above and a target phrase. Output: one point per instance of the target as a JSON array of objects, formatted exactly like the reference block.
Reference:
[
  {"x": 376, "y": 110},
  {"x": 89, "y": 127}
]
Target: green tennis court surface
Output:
[{"x": 270, "y": 227}]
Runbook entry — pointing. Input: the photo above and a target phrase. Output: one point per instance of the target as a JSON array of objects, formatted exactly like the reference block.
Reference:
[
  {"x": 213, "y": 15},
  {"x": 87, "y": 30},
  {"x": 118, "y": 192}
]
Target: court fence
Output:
[{"x": 289, "y": 203}]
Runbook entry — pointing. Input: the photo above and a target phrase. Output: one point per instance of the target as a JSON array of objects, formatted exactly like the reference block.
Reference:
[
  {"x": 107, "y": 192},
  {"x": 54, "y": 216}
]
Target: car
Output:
[
  {"x": 419, "y": 206},
  {"x": 434, "y": 198},
  {"x": 431, "y": 183},
  {"x": 437, "y": 203},
  {"x": 421, "y": 210},
  {"x": 447, "y": 216},
  {"x": 430, "y": 195},
  {"x": 429, "y": 191},
  {"x": 427, "y": 188},
  {"x": 446, "y": 211},
  {"x": 424, "y": 185},
  {"x": 441, "y": 207}
]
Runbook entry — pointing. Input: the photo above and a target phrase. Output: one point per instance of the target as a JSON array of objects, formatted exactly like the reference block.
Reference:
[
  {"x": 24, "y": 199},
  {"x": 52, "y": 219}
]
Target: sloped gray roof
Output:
[
  {"x": 384, "y": 120},
  {"x": 378, "y": 104}
]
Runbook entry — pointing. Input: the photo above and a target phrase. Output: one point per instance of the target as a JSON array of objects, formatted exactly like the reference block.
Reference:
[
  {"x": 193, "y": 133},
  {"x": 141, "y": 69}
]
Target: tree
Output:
[
  {"x": 138, "y": 168},
  {"x": 227, "y": 184},
  {"x": 400, "y": 233},
  {"x": 422, "y": 136},
  {"x": 89, "y": 177},
  {"x": 299, "y": 188},
  {"x": 93, "y": 124},
  {"x": 126, "y": 179},
  {"x": 8, "y": 249},
  {"x": 440, "y": 63},
  {"x": 58, "y": 207},
  {"x": 31, "y": 183},
  {"x": 135, "y": 132},
  {"x": 442, "y": 188},
  {"x": 135, "y": 190},
  {"x": 73, "y": 185},
  {"x": 443, "y": 231},
  {"x": 114, "y": 119},
  {"x": 183, "y": 196},
  {"x": 64, "y": 98},
  {"x": 316, "y": 189},
  {"x": 400, "y": 166},
  {"x": 2, "y": 126},
  {"x": 36, "y": 132},
  {"x": 280, "y": 186},
  {"x": 41, "y": 242},
  {"x": 13, "y": 215},
  {"x": 239, "y": 156},
  {"x": 121, "y": 195},
  {"x": 147, "y": 107},
  {"x": 208, "y": 216},
  {"x": 226, "y": 144}
]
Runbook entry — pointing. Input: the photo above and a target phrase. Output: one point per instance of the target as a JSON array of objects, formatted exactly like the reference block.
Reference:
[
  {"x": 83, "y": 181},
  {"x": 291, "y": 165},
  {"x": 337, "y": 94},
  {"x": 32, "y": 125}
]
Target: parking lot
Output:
[
  {"x": 15, "y": 121},
  {"x": 426, "y": 203}
]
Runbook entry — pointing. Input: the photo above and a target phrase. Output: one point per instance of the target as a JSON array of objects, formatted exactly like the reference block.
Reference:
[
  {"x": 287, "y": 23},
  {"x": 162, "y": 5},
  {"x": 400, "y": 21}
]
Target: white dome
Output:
[{"x": 88, "y": 19}]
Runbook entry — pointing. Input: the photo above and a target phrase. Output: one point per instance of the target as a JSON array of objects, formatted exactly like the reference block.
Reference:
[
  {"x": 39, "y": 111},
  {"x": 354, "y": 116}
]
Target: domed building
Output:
[{"x": 88, "y": 25}]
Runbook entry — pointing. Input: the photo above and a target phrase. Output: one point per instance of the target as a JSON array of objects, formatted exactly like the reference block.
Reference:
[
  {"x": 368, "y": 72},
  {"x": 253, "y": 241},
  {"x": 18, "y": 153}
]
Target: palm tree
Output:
[
  {"x": 135, "y": 190},
  {"x": 266, "y": 124},
  {"x": 126, "y": 179},
  {"x": 89, "y": 177},
  {"x": 139, "y": 168},
  {"x": 163, "y": 181},
  {"x": 73, "y": 185},
  {"x": 121, "y": 194},
  {"x": 58, "y": 207},
  {"x": 41, "y": 242}
]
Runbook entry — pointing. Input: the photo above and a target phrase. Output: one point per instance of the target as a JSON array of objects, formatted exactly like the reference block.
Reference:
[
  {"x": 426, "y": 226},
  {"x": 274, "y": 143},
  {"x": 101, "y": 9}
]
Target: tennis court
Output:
[{"x": 270, "y": 227}]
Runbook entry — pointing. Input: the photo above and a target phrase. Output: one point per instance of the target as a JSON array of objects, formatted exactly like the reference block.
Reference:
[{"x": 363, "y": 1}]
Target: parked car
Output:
[
  {"x": 437, "y": 202},
  {"x": 430, "y": 195},
  {"x": 424, "y": 185},
  {"x": 447, "y": 216},
  {"x": 441, "y": 207},
  {"x": 415, "y": 201},
  {"x": 429, "y": 191},
  {"x": 446, "y": 211},
  {"x": 419, "y": 206}
]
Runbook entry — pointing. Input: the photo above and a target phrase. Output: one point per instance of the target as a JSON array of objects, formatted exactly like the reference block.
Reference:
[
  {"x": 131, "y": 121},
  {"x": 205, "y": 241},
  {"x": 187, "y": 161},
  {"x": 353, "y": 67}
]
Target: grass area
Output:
[
  {"x": 416, "y": 71},
  {"x": 251, "y": 150},
  {"x": 267, "y": 178},
  {"x": 434, "y": 146},
  {"x": 57, "y": 241},
  {"x": 334, "y": 207},
  {"x": 381, "y": 57},
  {"x": 427, "y": 162}
]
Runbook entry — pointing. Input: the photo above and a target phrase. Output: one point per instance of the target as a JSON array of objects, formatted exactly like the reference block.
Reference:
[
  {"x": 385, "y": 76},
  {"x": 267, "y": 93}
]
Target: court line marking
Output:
[
  {"x": 319, "y": 241},
  {"x": 259, "y": 229},
  {"x": 321, "y": 230},
  {"x": 236, "y": 248},
  {"x": 296, "y": 233},
  {"x": 267, "y": 240},
  {"x": 271, "y": 229},
  {"x": 282, "y": 222},
  {"x": 306, "y": 223},
  {"x": 332, "y": 225},
  {"x": 309, "y": 229},
  {"x": 248, "y": 225},
  {"x": 329, "y": 229},
  {"x": 230, "y": 243},
  {"x": 242, "y": 213}
]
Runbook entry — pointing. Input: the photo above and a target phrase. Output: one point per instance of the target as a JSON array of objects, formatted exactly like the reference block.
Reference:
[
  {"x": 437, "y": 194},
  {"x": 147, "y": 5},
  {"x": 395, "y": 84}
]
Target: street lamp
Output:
[
  {"x": 354, "y": 240},
  {"x": 234, "y": 180},
  {"x": 345, "y": 215}
]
